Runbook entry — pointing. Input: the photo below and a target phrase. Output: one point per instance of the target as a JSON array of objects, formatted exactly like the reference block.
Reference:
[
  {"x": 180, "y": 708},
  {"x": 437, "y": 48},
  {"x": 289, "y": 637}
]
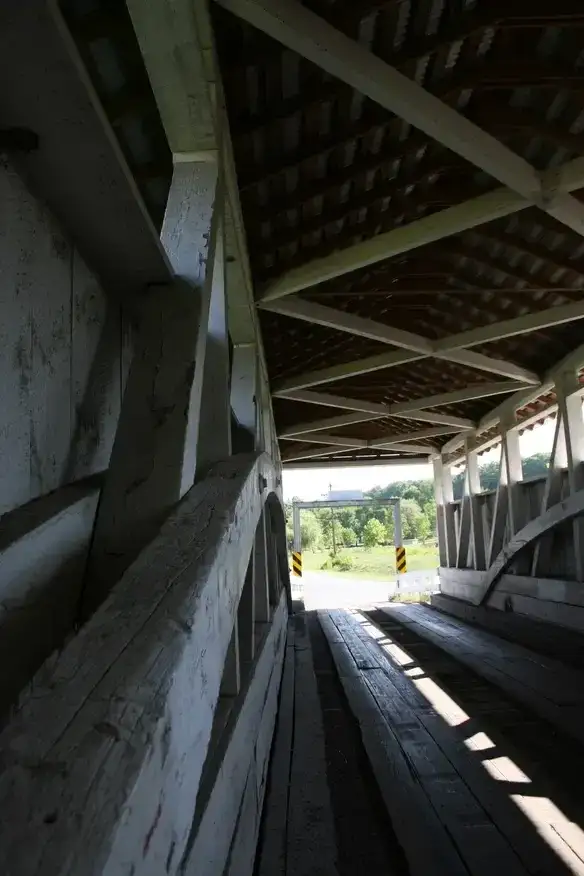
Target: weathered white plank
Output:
[
  {"x": 117, "y": 704},
  {"x": 98, "y": 373},
  {"x": 236, "y": 763},
  {"x": 43, "y": 551}
]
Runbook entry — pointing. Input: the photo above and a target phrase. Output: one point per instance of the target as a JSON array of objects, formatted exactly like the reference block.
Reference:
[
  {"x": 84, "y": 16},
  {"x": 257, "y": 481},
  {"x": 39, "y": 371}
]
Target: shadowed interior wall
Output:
[{"x": 64, "y": 355}]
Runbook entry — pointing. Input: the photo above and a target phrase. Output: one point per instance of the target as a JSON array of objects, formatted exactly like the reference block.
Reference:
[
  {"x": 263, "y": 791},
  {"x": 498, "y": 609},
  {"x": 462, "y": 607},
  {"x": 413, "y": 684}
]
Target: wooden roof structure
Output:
[
  {"x": 323, "y": 168},
  {"x": 411, "y": 178}
]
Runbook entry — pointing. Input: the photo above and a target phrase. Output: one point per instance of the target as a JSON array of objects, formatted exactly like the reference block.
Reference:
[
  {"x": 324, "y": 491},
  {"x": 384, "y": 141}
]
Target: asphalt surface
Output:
[{"x": 324, "y": 590}]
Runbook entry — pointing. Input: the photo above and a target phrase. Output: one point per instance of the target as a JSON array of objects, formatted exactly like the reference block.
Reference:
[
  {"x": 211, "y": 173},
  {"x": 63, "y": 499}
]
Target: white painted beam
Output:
[
  {"x": 438, "y": 419},
  {"x": 332, "y": 401},
  {"x": 328, "y": 423},
  {"x": 313, "y": 38},
  {"x": 572, "y": 361},
  {"x": 324, "y": 462},
  {"x": 488, "y": 363},
  {"x": 313, "y": 452},
  {"x": 405, "y": 447},
  {"x": 348, "y": 369},
  {"x": 346, "y": 322},
  {"x": 325, "y": 438},
  {"x": 302, "y": 430},
  {"x": 379, "y": 410},
  {"x": 434, "y": 432},
  {"x": 429, "y": 229},
  {"x": 310, "y": 453},
  {"x": 529, "y": 322},
  {"x": 329, "y": 317},
  {"x": 478, "y": 390}
]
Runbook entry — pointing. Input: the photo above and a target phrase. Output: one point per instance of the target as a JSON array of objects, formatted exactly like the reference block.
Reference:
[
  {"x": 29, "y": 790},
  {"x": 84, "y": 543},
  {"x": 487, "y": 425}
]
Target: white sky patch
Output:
[{"x": 315, "y": 483}]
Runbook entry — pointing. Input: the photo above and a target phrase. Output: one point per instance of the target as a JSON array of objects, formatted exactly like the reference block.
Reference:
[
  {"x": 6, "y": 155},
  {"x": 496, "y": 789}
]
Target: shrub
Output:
[{"x": 343, "y": 562}]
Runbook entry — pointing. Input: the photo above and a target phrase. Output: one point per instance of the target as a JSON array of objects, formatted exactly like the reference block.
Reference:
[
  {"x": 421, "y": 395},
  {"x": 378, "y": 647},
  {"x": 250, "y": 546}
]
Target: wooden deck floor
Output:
[{"x": 410, "y": 742}]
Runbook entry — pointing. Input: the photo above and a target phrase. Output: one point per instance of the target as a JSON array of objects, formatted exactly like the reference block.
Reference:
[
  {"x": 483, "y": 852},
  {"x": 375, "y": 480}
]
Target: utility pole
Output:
[{"x": 333, "y": 524}]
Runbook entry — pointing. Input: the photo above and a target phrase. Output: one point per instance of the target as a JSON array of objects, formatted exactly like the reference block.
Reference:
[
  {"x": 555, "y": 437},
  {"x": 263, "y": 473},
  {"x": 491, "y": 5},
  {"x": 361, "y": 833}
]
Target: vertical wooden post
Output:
[
  {"x": 551, "y": 496},
  {"x": 499, "y": 517},
  {"x": 464, "y": 527},
  {"x": 509, "y": 513},
  {"x": 246, "y": 617},
  {"x": 214, "y": 434},
  {"x": 438, "y": 467},
  {"x": 568, "y": 392},
  {"x": 449, "y": 521},
  {"x": 514, "y": 475},
  {"x": 231, "y": 680},
  {"x": 153, "y": 459},
  {"x": 243, "y": 385},
  {"x": 261, "y": 584},
  {"x": 476, "y": 518}
]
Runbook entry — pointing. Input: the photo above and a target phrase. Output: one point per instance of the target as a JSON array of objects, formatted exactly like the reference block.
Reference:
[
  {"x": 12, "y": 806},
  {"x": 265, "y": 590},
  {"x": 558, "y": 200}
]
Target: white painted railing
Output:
[{"x": 105, "y": 756}]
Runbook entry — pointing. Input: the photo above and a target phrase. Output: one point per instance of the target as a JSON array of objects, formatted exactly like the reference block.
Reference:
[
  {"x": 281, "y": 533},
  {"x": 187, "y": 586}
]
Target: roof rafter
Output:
[
  {"x": 308, "y": 311},
  {"x": 316, "y": 451},
  {"x": 469, "y": 393},
  {"x": 312, "y": 37},
  {"x": 303, "y": 429},
  {"x": 437, "y": 191},
  {"x": 478, "y": 211},
  {"x": 451, "y": 31},
  {"x": 328, "y": 423},
  {"x": 507, "y": 409}
]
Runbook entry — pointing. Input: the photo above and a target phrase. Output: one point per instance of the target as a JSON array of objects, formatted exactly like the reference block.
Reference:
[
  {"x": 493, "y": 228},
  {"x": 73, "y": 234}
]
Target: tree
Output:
[
  {"x": 414, "y": 524},
  {"x": 429, "y": 512},
  {"x": 373, "y": 533},
  {"x": 347, "y": 536},
  {"x": 310, "y": 531},
  {"x": 536, "y": 465}
]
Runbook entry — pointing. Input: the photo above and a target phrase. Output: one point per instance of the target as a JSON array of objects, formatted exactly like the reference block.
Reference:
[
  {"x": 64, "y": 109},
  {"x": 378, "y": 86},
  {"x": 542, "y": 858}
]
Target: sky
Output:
[{"x": 306, "y": 484}]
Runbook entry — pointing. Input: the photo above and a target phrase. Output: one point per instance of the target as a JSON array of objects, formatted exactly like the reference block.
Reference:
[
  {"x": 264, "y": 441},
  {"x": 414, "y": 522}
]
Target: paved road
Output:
[{"x": 323, "y": 590}]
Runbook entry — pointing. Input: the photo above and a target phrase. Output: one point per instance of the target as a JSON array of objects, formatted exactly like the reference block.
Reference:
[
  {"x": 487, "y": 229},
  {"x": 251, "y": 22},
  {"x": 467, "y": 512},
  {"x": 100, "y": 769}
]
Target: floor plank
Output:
[
  {"x": 547, "y": 686},
  {"x": 475, "y": 835},
  {"x": 311, "y": 842}
]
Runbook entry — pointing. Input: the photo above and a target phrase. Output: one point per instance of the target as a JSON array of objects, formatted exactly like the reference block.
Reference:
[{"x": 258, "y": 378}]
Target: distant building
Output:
[{"x": 344, "y": 495}]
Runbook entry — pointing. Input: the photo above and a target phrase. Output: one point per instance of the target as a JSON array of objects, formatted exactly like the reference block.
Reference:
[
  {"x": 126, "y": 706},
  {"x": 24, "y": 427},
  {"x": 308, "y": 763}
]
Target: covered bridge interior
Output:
[{"x": 238, "y": 236}]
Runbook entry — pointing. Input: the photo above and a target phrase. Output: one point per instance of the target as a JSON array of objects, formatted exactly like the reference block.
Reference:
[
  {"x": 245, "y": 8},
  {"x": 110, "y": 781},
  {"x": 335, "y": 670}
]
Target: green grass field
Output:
[{"x": 376, "y": 563}]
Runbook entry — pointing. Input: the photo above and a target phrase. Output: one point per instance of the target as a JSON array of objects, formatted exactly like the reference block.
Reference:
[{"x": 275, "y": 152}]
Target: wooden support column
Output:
[
  {"x": 243, "y": 385},
  {"x": 463, "y": 534},
  {"x": 153, "y": 459},
  {"x": 541, "y": 562},
  {"x": 449, "y": 520},
  {"x": 246, "y": 618},
  {"x": 261, "y": 583},
  {"x": 499, "y": 516},
  {"x": 214, "y": 433},
  {"x": 473, "y": 482},
  {"x": 231, "y": 679},
  {"x": 438, "y": 466},
  {"x": 244, "y": 377},
  {"x": 514, "y": 474},
  {"x": 509, "y": 513},
  {"x": 568, "y": 392}
]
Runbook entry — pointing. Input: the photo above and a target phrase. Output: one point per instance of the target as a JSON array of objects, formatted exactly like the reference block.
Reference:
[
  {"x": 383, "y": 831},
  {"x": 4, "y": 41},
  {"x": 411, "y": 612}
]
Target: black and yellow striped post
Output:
[
  {"x": 400, "y": 560},
  {"x": 297, "y": 563}
]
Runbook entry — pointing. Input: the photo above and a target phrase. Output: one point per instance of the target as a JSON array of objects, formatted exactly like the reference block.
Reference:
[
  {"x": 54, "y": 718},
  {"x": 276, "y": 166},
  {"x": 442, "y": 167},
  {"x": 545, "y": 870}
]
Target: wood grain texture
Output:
[
  {"x": 104, "y": 757},
  {"x": 60, "y": 354}
]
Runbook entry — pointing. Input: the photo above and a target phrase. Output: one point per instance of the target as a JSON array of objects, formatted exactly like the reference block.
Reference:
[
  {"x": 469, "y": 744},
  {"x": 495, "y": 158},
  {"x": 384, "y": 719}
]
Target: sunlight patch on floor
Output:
[{"x": 565, "y": 837}]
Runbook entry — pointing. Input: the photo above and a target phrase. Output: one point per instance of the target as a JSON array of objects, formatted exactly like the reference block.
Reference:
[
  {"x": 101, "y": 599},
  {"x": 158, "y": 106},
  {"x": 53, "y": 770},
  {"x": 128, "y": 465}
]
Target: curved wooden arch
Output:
[{"x": 563, "y": 512}]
